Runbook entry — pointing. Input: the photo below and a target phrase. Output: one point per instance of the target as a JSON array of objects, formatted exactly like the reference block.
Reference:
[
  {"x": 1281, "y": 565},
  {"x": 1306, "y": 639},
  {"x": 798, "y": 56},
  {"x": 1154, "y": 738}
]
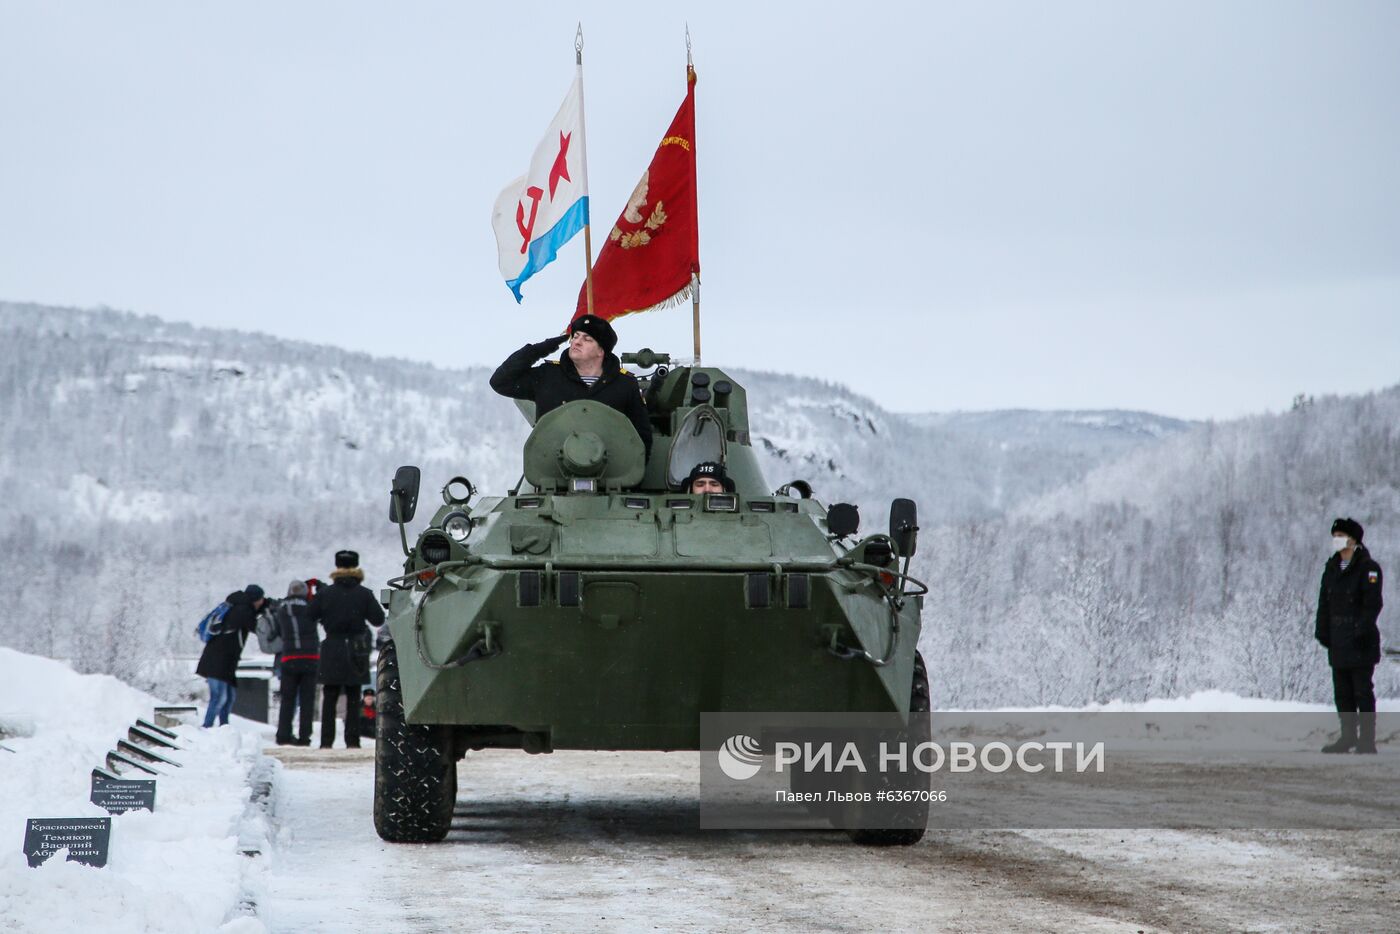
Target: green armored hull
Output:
[{"x": 601, "y": 606}]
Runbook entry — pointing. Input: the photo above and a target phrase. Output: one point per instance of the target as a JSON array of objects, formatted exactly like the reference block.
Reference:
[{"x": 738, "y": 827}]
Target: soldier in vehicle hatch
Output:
[
  {"x": 708, "y": 477},
  {"x": 1347, "y": 608},
  {"x": 587, "y": 370}
]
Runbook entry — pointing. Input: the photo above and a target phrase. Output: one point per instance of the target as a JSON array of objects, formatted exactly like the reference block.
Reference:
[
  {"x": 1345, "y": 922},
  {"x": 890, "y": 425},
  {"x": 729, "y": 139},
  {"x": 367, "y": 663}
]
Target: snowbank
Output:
[
  {"x": 1203, "y": 702},
  {"x": 176, "y": 870}
]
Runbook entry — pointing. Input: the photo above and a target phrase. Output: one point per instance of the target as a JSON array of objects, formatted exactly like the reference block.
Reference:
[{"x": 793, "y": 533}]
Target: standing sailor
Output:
[{"x": 1347, "y": 607}]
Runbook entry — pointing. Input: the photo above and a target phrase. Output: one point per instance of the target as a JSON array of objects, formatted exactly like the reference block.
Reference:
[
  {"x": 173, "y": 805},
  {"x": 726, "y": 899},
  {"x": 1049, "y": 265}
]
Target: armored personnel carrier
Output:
[{"x": 599, "y": 605}]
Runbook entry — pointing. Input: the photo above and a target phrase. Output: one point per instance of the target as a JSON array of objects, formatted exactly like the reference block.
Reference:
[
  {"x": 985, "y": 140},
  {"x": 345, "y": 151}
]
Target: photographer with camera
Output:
[{"x": 218, "y": 663}]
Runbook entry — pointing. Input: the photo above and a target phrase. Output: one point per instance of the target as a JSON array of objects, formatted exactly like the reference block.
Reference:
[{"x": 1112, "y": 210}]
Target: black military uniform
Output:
[
  {"x": 550, "y": 386},
  {"x": 343, "y": 609},
  {"x": 1348, "y": 605}
]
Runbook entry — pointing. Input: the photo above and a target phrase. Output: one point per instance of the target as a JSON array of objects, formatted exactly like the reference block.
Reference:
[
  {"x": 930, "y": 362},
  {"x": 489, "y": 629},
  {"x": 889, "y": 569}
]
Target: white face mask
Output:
[{"x": 1339, "y": 542}]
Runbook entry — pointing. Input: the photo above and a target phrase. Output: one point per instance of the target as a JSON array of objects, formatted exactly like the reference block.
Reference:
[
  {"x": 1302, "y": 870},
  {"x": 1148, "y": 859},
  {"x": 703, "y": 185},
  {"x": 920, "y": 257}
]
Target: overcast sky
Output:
[{"x": 1186, "y": 207}]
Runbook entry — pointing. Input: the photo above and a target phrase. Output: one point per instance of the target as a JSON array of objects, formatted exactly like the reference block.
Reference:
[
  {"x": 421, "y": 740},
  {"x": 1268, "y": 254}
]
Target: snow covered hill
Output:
[
  {"x": 1188, "y": 565},
  {"x": 1061, "y": 429},
  {"x": 1029, "y": 453},
  {"x": 153, "y": 467}
]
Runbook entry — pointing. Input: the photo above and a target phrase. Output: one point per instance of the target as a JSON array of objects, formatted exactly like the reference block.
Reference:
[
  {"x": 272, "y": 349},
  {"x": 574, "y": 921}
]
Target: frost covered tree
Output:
[{"x": 151, "y": 468}]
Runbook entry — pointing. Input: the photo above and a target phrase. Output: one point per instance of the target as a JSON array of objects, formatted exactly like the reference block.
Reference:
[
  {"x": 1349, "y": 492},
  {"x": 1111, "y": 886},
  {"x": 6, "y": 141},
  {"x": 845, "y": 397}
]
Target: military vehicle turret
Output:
[{"x": 598, "y": 605}]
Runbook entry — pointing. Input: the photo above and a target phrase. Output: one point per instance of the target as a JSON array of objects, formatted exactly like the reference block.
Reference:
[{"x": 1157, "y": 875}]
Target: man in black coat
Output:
[
  {"x": 343, "y": 609},
  {"x": 218, "y": 663},
  {"x": 1347, "y": 608},
  {"x": 587, "y": 370}
]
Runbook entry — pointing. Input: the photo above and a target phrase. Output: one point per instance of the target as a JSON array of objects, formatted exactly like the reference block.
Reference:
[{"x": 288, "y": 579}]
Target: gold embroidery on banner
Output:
[
  {"x": 676, "y": 141},
  {"x": 632, "y": 214},
  {"x": 658, "y": 217}
]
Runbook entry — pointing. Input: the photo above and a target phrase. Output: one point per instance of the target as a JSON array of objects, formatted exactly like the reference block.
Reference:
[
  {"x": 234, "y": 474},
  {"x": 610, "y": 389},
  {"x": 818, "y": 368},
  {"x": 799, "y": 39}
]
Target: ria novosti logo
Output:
[{"x": 740, "y": 757}]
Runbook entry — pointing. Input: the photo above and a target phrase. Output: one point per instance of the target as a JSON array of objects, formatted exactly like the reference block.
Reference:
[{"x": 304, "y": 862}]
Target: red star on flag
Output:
[{"x": 560, "y": 169}]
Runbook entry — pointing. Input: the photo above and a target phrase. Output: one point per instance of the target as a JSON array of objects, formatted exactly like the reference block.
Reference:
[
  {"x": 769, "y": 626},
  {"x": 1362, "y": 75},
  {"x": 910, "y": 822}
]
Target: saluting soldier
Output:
[
  {"x": 587, "y": 370},
  {"x": 1347, "y": 608}
]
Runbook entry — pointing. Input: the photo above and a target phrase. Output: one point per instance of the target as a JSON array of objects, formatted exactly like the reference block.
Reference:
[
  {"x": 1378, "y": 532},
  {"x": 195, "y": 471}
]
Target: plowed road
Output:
[{"x": 609, "y": 841}]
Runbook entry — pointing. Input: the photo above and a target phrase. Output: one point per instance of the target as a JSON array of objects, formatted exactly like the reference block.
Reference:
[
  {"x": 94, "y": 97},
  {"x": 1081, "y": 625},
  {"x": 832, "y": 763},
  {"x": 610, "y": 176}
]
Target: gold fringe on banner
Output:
[{"x": 680, "y": 298}]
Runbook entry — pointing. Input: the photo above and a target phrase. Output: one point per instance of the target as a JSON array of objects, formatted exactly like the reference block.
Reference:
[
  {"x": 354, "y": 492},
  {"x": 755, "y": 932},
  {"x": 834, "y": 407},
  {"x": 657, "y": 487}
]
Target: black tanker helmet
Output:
[
  {"x": 596, "y": 328},
  {"x": 709, "y": 469}
]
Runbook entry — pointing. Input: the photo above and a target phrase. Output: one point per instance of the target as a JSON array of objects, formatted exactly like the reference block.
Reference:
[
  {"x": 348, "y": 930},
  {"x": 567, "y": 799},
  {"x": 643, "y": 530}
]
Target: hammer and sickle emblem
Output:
[
  {"x": 534, "y": 193},
  {"x": 558, "y": 171}
]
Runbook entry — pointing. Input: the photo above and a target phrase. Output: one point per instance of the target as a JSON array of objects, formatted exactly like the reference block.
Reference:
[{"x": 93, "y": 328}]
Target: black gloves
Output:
[{"x": 546, "y": 346}]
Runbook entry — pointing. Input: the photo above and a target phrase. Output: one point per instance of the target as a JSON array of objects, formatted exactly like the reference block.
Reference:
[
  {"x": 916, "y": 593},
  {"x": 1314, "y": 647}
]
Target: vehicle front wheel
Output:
[
  {"x": 415, "y": 772},
  {"x": 916, "y": 816}
]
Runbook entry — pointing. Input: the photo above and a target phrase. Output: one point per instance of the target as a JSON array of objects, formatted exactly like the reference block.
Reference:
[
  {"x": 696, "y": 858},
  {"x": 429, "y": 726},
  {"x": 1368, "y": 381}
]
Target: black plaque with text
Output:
[
  {"x": 124, "y": 795},
  {"x": 86, "y": 838}
]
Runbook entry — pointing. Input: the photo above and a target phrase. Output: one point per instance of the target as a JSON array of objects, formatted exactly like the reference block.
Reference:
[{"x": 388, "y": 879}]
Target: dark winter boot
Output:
[
  {"x": 1347, "y": 741},
  {"x": 1367, "y": 742}
]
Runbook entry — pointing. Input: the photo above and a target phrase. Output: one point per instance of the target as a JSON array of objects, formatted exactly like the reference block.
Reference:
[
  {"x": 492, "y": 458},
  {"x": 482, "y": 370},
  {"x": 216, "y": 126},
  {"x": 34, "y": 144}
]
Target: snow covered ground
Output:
[
  {"x": 597, "y": 841},
  {"x": 609, "y": 842},
  {"x": 178, "y": 869},
  {"x": 1210, "y": 702}
]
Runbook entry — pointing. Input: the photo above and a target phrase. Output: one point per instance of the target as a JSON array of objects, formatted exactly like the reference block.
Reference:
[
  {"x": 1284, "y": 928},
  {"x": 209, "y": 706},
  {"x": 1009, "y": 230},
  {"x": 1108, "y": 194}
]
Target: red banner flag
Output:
[{"x": 654, "y": 247}]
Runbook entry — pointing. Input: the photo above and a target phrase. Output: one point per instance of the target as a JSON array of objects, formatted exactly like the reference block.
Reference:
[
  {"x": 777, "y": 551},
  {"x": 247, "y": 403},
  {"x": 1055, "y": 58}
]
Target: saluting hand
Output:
[{"x": 550, "y": 343}]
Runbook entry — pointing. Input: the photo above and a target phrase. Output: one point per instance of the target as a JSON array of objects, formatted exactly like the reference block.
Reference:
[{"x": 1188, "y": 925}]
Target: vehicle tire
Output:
[
  {"x": 918, "y": 815},
  {"x": 415, "y": 772}
]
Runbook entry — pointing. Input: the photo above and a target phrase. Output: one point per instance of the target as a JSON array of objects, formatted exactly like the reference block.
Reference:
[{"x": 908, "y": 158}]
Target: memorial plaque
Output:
[
  {"x": 174, "y": 716},
  {"x": 144, "y": 754},
  {"x": 86, "y": 838},
  {"x": 146, "y": 738},
  {"x": 124, "y": 795},
  {"x": 160, "y": 730},
  {"x": 116, "y": 760}
]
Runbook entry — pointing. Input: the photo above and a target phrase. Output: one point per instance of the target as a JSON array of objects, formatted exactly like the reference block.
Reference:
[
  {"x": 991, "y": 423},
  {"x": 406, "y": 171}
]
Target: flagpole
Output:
[
  {"x": 582, "y": 132},
  {"x": 695, "y": 209},
  {"x": 695, "y": 312}
]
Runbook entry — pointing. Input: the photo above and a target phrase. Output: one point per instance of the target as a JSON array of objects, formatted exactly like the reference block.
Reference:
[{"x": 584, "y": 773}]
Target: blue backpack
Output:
[{"x": 210, "y": 625}]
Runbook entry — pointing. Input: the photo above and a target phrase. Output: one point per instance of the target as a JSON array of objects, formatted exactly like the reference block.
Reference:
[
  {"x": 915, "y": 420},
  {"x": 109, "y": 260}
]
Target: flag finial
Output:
[
  {"x": 578, "y": 44},
  {"x": 689, "y": 62}
]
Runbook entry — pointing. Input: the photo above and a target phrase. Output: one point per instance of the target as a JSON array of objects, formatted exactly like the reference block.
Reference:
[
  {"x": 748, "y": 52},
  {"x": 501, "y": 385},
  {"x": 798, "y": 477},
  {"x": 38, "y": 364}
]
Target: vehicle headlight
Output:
[
  {"x": 458, "y": 526},
  {"x": 434, "y": 548}
]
